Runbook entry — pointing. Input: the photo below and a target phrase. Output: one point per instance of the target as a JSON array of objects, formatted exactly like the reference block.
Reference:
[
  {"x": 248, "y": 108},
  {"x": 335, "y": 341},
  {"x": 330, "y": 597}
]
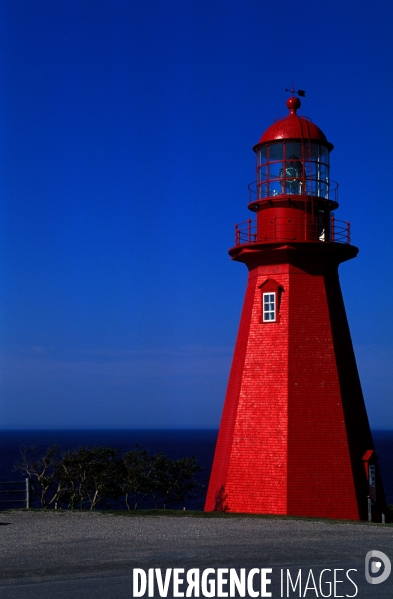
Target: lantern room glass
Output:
[{"x": 294, "y": 168}]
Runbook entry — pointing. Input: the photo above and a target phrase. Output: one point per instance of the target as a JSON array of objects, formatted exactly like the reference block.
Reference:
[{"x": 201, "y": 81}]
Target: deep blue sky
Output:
[{"x": 126, "y": 133}]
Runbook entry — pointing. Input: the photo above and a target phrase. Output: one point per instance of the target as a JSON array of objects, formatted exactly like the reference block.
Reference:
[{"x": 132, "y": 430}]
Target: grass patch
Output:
[
  {"x": 209, "y": 515},
  {"x": 193, "y": 514}
]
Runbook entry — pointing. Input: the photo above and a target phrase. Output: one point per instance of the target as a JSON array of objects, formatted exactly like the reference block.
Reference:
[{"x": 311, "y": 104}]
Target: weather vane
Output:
[{"x": 299, "y": 92}]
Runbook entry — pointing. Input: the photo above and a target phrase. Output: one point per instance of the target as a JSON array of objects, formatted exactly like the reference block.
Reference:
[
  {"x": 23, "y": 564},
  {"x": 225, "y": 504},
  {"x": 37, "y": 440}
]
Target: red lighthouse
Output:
[{"x": 294, "y": 436}]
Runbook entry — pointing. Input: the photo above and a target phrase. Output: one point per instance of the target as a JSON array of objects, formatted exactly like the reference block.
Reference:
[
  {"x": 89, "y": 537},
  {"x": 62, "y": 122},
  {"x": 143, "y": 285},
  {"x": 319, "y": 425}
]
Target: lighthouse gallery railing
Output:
[{"x": 278, "y": 230}]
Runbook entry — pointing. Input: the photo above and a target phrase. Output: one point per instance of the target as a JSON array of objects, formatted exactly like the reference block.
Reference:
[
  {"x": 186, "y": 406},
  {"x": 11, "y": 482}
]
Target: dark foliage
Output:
[
  {"x": 172, "y": 480},
  {"x": 43, "y": 473},
  {"x": 87, "y": 478},
  {"x": 135, "y": 479}
]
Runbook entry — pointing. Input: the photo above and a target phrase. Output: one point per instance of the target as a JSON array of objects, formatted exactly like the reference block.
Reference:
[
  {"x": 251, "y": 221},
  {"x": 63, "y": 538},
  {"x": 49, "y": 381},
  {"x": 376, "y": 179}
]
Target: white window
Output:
[{"x": 269, "y": 307}]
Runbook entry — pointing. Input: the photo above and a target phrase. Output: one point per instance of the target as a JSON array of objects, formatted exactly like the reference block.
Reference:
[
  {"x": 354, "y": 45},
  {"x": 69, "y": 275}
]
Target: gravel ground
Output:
[{"x": 67, "y": 548}]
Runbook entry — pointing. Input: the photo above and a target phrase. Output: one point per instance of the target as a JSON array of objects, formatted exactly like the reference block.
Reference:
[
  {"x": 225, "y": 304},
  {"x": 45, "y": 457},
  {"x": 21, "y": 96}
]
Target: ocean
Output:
[{"x": 173, "y": 443}]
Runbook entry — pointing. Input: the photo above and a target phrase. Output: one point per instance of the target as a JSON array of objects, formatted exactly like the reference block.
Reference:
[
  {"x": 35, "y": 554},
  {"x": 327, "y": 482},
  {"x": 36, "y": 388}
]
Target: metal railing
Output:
[
  {"x": 8, "y": 494},
  {"x": 307, "y": 187},
  {"x": 246, "y": 232},
  {"x": 279, "y": 229}
]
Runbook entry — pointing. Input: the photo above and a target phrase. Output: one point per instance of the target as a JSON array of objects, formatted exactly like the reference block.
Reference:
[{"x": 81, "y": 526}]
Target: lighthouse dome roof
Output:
[{"x": 294, "y": 127}]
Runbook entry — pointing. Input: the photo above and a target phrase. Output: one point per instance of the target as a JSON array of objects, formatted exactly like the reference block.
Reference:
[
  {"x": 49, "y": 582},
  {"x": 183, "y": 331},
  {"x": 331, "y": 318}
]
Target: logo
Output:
[{"x": 377, "y": 563}]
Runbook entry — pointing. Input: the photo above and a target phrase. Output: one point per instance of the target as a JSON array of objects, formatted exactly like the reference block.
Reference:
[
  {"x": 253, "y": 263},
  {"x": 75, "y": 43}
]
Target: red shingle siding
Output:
[{"x": 287, "y": 442}]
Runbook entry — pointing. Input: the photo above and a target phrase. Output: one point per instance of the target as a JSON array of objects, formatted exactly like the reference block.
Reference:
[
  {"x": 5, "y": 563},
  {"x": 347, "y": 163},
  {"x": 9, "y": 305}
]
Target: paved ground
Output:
[{"x": 86, "y": 555}]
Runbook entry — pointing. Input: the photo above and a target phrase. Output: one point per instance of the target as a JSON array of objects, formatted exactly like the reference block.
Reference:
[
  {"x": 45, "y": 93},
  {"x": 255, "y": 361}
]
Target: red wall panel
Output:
[{"x": 294, "y": 427}]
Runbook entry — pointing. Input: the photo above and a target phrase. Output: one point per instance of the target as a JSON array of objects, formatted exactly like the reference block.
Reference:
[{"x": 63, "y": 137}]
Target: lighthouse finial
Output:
[{"x": 293, "y": 103}]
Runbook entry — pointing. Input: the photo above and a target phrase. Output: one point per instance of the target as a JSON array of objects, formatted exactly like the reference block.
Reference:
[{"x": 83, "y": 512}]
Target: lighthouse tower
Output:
[{"x": 294, "y": 436}]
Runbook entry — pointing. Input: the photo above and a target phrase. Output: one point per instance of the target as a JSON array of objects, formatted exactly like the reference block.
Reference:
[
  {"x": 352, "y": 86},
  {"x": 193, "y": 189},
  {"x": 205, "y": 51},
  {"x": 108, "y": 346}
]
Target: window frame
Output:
[
  {"x": 266, "y": 313},
  {"x": 270, "y": 287}
]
